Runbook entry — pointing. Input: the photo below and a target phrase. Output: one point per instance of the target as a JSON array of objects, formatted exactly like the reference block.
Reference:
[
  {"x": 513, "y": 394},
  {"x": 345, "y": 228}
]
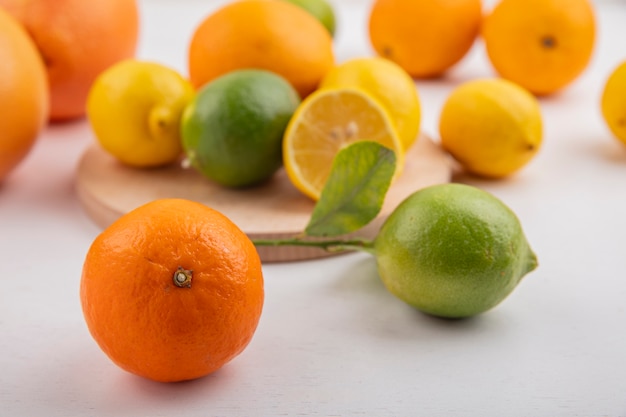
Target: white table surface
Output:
[{"x": 332, "y": 341}]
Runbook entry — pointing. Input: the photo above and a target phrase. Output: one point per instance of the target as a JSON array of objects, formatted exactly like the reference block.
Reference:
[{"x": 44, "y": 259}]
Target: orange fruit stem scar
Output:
[{"x": 182, "y": 277}]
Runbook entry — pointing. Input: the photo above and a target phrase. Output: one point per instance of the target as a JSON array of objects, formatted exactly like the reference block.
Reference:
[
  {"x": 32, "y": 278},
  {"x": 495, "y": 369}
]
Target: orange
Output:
[
  {"x": 326, "y": 122},
  {"x": 542, "y": 45},
  {"x": 274, "y": 35},
  {"x": 77, "y": 40},
  {"x": 172, "y": 290},
  {"x": 425, "y": 37},
  {"x": 23, "y": 94}
]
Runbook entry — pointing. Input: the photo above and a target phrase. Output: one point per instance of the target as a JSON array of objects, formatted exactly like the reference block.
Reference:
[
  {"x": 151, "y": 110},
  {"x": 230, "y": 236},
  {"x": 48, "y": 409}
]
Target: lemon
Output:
[
  {"x": 134, "y": 109},
  {"x": 232, "y": 130},
  {"x": 324, "y": 123},
  {"x": 391, "y": 85},
  {"x": 492, "y": 127},
  {"x": 322, "y": 10},
  {"x": 613, "y": 102},
  {"x": 452, "y": 250}
]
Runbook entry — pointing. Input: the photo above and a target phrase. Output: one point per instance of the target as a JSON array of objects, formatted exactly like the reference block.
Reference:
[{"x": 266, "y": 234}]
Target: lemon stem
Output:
[
  {"x": 159, "y": 121},
  {"x": 332, "y": 245}
]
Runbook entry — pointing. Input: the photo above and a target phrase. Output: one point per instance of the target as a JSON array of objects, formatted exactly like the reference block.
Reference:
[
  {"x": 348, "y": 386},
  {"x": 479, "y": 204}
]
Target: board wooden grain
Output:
[{"x": 276, "y": 209}]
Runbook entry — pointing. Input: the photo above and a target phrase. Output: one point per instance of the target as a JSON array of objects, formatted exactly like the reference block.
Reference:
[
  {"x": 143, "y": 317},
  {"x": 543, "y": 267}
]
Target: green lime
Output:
[
  {"x": 233, "y": 129},
  {"x": 452, "y": 250},
  {"x": 321, "y": 10}
]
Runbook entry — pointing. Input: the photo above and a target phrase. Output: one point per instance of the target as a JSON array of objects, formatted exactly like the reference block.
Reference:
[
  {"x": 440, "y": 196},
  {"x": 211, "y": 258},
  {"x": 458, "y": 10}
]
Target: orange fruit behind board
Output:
[
  {"x": 78, "y": 40},
  {"x": 172, "y": 290},
  {"x": 23, "y": 94},
  {"x": 425, "y": 37},
  {"x": 542, "y": 45},
  {"x": 272, "y": 35}
]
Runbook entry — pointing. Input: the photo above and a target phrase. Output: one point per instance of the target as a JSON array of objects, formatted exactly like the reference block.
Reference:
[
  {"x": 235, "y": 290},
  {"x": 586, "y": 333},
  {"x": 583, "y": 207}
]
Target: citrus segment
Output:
[
  {"x": 387, "y": 82},
  {"x": 323, "y": 124}
]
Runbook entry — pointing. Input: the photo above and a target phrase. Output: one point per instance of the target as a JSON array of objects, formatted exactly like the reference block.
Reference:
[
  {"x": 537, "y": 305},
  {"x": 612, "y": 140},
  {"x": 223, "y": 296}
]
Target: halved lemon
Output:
[{"x": 324, "y": 123}]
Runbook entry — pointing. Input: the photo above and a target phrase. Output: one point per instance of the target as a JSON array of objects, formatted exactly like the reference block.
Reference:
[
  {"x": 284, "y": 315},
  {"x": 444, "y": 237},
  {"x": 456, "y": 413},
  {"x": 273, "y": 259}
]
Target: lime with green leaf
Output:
[{"x": 449, "y": 250}]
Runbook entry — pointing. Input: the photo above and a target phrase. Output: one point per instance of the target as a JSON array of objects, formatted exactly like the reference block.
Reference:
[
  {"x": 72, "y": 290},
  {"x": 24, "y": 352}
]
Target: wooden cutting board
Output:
[{"x": 108, "y": 189}]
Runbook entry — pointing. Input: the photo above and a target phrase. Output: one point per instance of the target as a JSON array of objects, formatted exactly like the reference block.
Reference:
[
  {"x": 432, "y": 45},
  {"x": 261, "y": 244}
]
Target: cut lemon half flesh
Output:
[{"x": 327, "y": 121}]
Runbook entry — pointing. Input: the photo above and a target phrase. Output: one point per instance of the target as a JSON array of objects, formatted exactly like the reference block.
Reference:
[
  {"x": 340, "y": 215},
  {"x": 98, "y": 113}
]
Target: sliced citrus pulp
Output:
[{"x": 324, "y": 123}]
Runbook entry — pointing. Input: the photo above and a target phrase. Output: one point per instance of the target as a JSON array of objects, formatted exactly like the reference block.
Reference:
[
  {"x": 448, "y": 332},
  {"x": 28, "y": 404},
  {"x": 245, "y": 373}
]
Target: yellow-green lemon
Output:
[{"x": 452, "y": 250}]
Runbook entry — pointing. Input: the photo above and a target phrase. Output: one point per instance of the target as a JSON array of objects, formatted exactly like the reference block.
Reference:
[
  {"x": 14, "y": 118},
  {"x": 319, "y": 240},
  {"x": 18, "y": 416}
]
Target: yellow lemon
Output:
[
  {"x": 388, "y": 83},
  {"x": 324, "y": 123},
  {"x": 134, "y": 109},
  {"x": 492, "y": 127},
  {"x": 613, "y": 102}
]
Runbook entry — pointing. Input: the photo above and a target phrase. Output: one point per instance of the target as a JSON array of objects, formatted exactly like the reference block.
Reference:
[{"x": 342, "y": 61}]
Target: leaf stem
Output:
[{"x": 332, "y": 245}]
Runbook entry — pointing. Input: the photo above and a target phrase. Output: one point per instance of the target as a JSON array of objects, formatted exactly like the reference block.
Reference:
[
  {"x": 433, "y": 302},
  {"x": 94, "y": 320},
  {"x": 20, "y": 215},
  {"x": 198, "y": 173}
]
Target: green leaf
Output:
[{"x": 355, "y": 190}]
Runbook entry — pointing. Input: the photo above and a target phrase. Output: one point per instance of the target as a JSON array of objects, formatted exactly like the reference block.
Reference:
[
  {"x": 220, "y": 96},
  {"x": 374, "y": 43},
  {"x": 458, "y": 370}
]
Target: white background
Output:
[{"x": 332, "y": 341}]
